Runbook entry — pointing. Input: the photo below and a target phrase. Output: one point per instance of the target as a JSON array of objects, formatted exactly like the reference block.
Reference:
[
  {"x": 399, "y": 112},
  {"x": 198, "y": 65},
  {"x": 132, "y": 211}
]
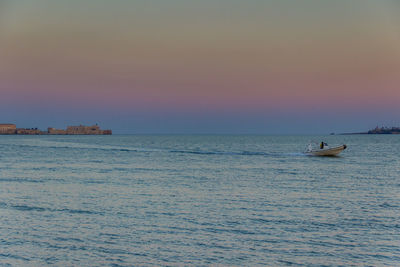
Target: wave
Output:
[
  {"x": 23, "y": 207},
  {"x": 24, "y": 180}
]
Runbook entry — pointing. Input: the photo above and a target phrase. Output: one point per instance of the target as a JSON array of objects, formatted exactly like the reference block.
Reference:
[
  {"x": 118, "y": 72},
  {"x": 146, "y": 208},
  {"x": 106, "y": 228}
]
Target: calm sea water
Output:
[{"x": 198, "y": 200}]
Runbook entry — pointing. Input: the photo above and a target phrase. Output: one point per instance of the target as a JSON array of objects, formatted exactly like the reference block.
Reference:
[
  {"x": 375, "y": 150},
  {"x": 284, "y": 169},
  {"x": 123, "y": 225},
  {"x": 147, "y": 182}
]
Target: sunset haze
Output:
[{"x": 201, "y": 66}]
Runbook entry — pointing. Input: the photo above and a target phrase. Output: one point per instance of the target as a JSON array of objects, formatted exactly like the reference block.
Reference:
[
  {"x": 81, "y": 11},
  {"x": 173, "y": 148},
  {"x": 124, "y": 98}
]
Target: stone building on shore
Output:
[
  {"x": 26, "y": 131},
  {"x": 8, "y": 128},
  {"x": 55, "y": 131},
  {"x": 80, "y": 130}
]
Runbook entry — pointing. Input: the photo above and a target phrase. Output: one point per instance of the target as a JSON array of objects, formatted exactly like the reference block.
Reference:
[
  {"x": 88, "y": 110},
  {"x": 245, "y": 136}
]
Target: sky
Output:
[{"x": 210, "y": 66}]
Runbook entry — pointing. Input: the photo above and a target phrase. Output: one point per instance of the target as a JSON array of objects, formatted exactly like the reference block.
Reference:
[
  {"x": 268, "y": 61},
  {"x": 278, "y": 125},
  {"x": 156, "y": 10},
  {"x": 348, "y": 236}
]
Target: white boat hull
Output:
[{"x": 332, "y": 151}]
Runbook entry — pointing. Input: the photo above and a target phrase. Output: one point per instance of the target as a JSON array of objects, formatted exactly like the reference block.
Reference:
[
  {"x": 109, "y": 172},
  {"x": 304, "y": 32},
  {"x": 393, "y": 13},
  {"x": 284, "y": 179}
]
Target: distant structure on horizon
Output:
[
  {"x": 384, "y": 130},
  {"x": 381, "y": 130},
  {"x": 9, "y": 128}
]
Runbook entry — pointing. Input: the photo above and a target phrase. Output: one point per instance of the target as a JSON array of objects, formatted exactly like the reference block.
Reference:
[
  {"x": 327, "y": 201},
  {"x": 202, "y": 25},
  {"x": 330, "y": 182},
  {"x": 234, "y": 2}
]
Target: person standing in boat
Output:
[{"x": 322, "y": 145}]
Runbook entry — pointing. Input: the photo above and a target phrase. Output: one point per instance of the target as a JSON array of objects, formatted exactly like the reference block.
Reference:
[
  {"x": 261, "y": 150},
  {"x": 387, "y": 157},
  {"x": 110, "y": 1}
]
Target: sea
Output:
[{"x": 198, "y": 200}]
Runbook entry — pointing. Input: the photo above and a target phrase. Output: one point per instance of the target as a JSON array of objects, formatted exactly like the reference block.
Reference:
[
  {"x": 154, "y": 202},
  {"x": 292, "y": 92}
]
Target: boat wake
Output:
[
  {"x": 82, "y": 146},
  {"x": 231, "y": 153}
]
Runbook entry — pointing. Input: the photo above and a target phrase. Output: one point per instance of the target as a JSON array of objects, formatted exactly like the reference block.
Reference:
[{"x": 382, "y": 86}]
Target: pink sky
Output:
[{"x": 253, "y": 58}]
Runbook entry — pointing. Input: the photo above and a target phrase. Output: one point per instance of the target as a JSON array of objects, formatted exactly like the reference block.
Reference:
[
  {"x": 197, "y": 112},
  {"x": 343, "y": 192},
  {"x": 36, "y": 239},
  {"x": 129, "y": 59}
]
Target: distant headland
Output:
[
  {"x": 381, "y": 130},
  {"x": 9, "y": 128}
]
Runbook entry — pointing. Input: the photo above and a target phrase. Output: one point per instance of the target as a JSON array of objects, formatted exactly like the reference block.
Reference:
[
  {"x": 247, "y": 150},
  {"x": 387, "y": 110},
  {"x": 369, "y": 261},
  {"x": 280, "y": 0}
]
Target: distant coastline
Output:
[
  {"x": 380, "y": 130},
  {"x": 11, "y": 129}
]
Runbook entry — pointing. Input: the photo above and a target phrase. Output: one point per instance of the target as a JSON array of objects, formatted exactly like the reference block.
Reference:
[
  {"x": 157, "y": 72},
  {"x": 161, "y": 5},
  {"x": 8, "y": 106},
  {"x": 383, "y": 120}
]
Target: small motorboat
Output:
[{"x": 324, "y": 150}]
